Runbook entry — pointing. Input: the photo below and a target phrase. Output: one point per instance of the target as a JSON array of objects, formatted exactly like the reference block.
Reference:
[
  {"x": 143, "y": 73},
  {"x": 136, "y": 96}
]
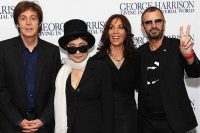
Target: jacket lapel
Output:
[
  {"x": 143, "y": 63},
  {"x": 164, "y": 56},
  {"x": 89, "y": 71},
  {"x": 18, "y": 55},
  {"x": 40, "y": 65}
]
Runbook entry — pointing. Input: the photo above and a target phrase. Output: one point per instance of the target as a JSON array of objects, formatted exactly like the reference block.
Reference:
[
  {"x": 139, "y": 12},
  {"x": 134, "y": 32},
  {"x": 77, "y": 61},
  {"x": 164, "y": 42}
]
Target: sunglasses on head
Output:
[
  {"x": 150, "y": 22},
  {"x": 81, "y": 49}
]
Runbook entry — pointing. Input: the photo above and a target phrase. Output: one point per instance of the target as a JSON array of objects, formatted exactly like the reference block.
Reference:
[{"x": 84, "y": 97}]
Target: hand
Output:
[
  {"x": 30, "y": 126},
  {"x": 35, "y": 124},
  {"x": 185, "y": 40},
  {"x": 25, "y": 125}
]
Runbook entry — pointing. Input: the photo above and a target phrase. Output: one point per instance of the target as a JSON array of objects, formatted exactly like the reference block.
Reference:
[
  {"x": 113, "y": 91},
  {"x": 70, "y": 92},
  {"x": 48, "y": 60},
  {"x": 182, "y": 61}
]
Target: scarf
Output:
[{"x": 60, "y": 103}]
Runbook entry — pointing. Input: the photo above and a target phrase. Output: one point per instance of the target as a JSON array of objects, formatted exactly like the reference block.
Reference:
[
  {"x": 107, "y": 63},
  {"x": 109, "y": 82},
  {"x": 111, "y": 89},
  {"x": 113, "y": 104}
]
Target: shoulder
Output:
[
  {"x": 142, "y": 48},
  {"x": 9, "y": 41},
  {"x": 99, "y": 64},
  {"x": 48, "y": 45},
  {"x": 173, "y": 42}
]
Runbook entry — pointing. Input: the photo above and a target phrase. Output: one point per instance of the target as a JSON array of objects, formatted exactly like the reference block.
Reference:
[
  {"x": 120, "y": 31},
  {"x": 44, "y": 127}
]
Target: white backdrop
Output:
[{"x": 96, "y": 12}]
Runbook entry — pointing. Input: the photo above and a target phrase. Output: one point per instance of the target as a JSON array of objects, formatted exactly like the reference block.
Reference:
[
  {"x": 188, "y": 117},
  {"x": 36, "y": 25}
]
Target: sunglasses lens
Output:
[
  {"x": 71, "y": 50},
  {"x": 83, "y": 48},
  {"x": 158, "y": 20},
  {"x": 148, "y": 22}
]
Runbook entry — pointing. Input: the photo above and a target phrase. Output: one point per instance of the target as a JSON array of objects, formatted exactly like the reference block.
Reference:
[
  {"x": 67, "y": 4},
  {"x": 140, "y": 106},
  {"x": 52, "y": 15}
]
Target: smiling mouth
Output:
[{"x": 115, "y": 37}]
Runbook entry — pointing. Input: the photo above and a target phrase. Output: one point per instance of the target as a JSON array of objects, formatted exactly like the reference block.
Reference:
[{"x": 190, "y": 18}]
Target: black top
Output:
[
  {"x": 152, "y": 97},
  {"x": 90, "y": 106},
  {"x": 123, "y": 85}
]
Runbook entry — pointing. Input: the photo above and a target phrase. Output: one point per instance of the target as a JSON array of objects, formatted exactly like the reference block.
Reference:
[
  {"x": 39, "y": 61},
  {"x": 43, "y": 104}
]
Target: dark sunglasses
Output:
[
  {"x": 73, "y": 50},
  {"x": 150, "y": 22}
]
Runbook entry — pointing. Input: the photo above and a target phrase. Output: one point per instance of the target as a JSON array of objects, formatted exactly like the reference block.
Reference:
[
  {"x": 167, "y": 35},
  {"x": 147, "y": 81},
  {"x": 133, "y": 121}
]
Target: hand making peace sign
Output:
[{"x": 185, "y": 41}]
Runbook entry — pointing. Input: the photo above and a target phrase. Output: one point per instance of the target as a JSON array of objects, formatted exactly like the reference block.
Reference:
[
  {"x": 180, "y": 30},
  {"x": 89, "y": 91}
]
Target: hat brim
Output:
[{"x": 64, "y": 40}]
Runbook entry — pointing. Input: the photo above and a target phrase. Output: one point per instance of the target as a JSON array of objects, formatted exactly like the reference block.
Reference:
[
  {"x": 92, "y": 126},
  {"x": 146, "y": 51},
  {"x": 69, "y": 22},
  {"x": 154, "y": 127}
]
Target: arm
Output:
[
  {"x": 48, "y": 112},
  {"x": 107, "y": 99},
  {"x": 192, "y": 64},
  {"x": 193, "y": 70},
  {"x": 6, "y": 106}
]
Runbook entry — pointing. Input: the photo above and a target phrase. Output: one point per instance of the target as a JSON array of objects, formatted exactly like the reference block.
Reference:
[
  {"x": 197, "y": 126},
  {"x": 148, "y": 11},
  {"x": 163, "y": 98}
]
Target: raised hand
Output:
[{"x": 186, "y": 43}]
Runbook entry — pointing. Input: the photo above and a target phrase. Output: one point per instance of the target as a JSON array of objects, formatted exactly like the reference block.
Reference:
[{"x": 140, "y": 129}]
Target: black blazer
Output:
[
  {"x": 90, "y": 108},
  {"x": 173, "y": 92},
  {"x": 13, "y": 102}
]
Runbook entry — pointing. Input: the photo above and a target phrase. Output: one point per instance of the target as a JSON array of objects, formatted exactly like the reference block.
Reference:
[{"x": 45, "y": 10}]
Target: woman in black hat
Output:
[
  {"x": 83, "y": 97},
  {"x": 118, "y": 51}
]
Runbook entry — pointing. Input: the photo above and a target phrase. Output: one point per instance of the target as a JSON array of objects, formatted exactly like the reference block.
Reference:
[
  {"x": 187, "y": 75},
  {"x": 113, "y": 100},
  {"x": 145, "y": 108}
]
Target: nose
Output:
[
  {"x": 154, "y": 24},
  {"x": 115, "y": 30},
  {"x": 28, "y": 21}
]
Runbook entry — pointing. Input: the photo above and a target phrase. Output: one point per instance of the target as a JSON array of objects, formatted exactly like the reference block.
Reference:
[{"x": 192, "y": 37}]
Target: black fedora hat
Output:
[{"x": 75, "y": 28}]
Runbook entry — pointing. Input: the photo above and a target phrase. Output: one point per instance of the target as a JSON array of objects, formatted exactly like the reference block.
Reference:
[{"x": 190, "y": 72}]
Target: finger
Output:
[
  {"x": 187, "y": 31},
  {"x": 26, "y": 131},
  {"x": 187, "y": 40},
  {"x": 33, "y": 130},
  {"x": 26, "y": 127},
  {"x": 181, "y": 32},
  {"x": 35, "y": 126},
  {"x": 189, "y": 45}
]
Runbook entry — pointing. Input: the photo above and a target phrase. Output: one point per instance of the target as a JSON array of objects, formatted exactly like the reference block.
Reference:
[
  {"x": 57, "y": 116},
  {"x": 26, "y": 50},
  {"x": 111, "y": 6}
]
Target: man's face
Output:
[
  {"x": 153, "y": 24},
  {"x": 28, "y": 23}
]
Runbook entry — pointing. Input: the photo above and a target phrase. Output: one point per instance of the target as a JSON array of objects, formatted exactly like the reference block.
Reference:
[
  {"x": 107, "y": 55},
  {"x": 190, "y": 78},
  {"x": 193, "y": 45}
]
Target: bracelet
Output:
[{"x": 189, "y": 56}]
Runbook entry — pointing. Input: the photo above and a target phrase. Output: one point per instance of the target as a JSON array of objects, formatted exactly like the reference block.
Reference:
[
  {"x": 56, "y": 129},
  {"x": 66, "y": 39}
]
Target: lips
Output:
[
  {"x": 115, "y": 37},
  {"x": 28, "y": 29}
]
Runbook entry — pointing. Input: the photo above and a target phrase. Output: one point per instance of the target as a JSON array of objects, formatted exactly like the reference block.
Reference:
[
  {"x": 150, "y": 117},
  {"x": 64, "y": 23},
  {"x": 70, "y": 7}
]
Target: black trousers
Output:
[
  {"x": 123, "y": 126},
  {"x": 147, "y": 125}
]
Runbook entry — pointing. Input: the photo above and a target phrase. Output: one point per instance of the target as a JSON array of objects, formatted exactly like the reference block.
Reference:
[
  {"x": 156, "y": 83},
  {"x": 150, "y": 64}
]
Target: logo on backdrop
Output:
[
  {"x": 52, "y": 29},
  {"x": 56, "y": 29},
  {"x": 6, "y": 12},
  {"x": 95, "y": 27},
  {"x": 136, "y": 8},
  {"x": 139, "y": 40}
]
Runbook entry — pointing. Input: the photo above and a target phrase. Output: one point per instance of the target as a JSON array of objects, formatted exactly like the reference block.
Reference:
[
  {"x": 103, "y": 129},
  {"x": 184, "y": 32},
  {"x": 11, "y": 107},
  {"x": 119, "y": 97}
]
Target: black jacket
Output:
[
  {"x": 13, "y": 102},
  {"x": 173, "y": 92},
  {"x": 90, "y": 106}
]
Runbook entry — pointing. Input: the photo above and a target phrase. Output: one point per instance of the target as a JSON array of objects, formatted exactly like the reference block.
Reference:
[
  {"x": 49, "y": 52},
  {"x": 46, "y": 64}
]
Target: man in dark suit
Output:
[
  {"x": 28, "y": 67},
  {"x": 164, "y": 105}
]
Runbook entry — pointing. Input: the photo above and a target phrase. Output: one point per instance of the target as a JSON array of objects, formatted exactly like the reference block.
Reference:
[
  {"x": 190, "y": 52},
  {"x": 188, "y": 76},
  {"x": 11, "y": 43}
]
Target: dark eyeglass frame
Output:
[
  {"x": 81, "y": 49},
  {"x": 150, "y": 22}
]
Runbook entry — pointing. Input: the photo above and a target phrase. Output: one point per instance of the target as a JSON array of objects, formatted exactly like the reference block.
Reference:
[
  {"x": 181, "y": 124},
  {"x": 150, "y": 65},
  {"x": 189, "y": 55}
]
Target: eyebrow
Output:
[{"x": 72, "y": 44}]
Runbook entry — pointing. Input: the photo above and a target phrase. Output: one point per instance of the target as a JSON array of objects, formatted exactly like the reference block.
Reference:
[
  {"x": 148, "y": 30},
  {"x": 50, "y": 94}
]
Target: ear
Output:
[
  {"x": 17, "y": 25},
  {"x": 142, "y": 28},
  {"x": 164, "y": 25}
]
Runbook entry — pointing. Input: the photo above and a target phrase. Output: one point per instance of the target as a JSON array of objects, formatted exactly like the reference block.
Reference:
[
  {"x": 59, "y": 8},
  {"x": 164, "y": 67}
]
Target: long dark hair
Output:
[{"x": 104, "y": 45}]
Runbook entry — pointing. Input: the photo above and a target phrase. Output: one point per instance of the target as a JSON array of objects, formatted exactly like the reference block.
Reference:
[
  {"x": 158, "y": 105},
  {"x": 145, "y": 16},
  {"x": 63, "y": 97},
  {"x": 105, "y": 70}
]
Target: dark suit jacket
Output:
[
  {"x": 90, "y": 106},
  {"x": 13, "y": 102},
  {"x": 173, "y": 92}
]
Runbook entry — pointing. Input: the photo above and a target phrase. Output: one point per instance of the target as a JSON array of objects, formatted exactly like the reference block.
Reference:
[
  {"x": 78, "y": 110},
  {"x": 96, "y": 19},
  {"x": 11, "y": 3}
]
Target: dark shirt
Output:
[
  {"x": 152, "y": 95},
  {"x": 30, "y": 63}
]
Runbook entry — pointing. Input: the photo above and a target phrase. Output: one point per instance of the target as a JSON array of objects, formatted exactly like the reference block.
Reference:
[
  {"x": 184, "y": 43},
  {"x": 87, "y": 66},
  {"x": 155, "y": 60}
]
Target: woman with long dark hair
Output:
[{"x": 118, "y": 51}]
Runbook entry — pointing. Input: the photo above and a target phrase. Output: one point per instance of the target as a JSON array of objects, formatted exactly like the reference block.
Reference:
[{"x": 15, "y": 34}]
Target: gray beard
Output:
[{"x": 157, "y": 37}]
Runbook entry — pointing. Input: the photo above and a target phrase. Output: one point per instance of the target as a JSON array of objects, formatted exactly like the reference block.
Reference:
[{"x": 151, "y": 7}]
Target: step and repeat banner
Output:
[{"x": 96, "y": 12}]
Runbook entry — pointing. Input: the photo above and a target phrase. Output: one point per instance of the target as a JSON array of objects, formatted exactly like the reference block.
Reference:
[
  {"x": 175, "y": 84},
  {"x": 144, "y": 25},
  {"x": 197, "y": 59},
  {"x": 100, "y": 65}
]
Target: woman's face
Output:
[
  {"x": 116, "y": 32},
  {"x": 77, "y": 50}
]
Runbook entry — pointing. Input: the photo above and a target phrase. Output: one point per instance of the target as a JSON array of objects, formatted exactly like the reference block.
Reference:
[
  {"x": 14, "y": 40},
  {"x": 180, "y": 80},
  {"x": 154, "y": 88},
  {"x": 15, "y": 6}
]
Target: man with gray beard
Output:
[{"x": 163, "y": 102}]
